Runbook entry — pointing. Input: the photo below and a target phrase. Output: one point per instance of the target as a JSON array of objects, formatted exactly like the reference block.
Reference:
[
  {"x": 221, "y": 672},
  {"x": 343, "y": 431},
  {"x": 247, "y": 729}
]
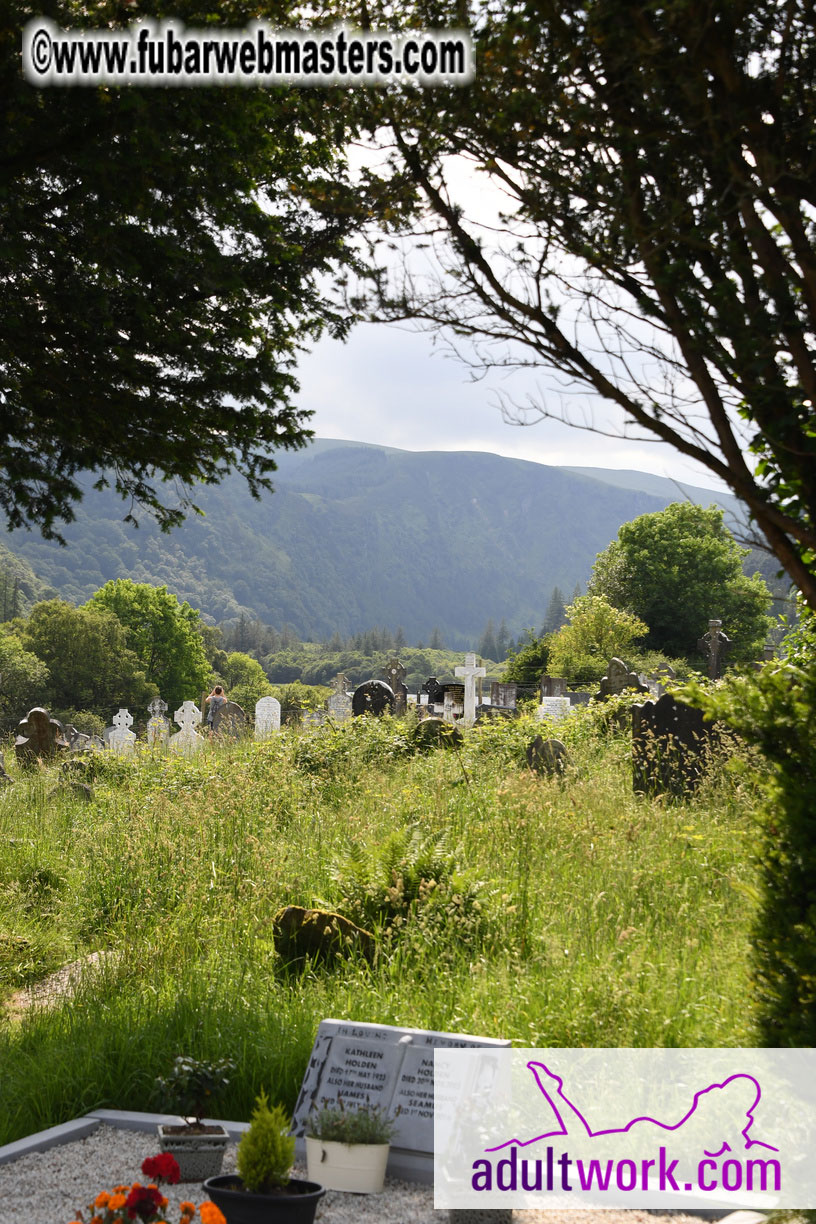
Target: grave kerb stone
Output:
[{"x": 382, "y": 1065}]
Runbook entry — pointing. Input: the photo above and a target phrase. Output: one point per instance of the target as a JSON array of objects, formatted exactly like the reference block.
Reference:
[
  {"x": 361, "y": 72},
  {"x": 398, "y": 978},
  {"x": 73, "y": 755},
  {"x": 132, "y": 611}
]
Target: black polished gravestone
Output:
[
  {"x": 387, "y": 1067},
  {"x": 670, "y": 747},
  {"x": 373, "y": 697}
]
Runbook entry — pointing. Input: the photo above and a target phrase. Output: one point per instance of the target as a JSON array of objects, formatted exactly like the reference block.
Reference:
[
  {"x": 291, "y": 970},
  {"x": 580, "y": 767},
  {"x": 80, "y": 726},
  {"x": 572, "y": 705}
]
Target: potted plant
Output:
[
  {"x": 263, "y": 1192},
  {"x": 191, "y": 1087},
  {"x": 347, "y": 1149}
]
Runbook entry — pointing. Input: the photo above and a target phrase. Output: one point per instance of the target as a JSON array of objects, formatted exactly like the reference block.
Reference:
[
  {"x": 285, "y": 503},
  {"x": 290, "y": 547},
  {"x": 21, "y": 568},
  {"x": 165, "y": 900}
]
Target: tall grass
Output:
[{"x": 556, "y": 912}]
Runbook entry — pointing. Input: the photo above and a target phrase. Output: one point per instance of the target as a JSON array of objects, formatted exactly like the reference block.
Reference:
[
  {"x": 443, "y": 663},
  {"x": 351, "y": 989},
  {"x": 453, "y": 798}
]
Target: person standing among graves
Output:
[{"x": 215, "y": 700}]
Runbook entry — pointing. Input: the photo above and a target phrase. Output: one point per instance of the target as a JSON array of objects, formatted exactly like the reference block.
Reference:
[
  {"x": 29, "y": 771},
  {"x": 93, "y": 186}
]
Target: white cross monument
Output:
[
  {"x": 122, "y": 739},
  {"x": 470, "y": 672}
]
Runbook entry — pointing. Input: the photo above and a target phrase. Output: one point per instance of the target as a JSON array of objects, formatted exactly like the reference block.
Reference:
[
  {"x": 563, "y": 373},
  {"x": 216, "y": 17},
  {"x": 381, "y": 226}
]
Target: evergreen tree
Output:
[{"x": 556, "y": 614}]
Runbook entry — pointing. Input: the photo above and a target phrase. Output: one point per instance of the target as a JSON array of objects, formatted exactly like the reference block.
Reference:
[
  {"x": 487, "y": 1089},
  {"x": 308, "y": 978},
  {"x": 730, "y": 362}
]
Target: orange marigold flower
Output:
[
  {"x": 120, "y": 1189},
  {"x": 102, "y": 1199},
  {"x": 117, "y": 1201},
  {"x": 210, "y": 1214},
  {"x": 96, "y": 1219},
  {"x": 187, "y": 1207}
]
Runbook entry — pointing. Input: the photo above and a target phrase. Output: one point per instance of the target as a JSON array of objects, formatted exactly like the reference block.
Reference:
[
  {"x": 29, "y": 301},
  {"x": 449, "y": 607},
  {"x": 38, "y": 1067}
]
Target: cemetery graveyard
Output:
[{"x": 523, "y": 866}]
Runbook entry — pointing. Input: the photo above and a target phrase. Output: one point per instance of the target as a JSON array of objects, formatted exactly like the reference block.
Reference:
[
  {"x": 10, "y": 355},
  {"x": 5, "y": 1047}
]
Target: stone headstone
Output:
[
  {"x": 436, "y": 733},
  {"x": 39, "y": 737},
  {"x": 340, "y": 684},
  {"x": 503, "y": 696},
  {"x": 301, "y": 934},
  {"x": 158, "y": 731},
  {"x": 373, "y": 697},
  {"x": 313, "y": 718},
  {"x": 121, "y": 739},
  {"x": 453, "y": 702},
  {"x": 618, "y": 679},
  {"x": 715, "y": 645},
  {"x": 157, "y": 708},
  {"x": 553, "y": 708},
  {"x": 4, "y": 778},
  {"x": 470, "y": 673},
  {"x": 187, "y": 742},
  {"x": 267, "y": 717},
  {"x": 547, "y": 756},
  {"x": 387, "y": 1067},
  {"x": 229, "y": 721},
  {"x": 77, "y": 740},
  {"x": 552, "y": 686},
  {"x": 395, "y": 673},
  {"x": 576, "y": 699},
  {"x": 338, "y": 707},
  {"x": 435, "y": 691},
  {"x": 670, "y": 744}
]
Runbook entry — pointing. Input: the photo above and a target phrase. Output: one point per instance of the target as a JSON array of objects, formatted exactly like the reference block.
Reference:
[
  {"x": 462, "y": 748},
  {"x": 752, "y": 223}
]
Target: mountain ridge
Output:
[{"x": 357, "y": 535}]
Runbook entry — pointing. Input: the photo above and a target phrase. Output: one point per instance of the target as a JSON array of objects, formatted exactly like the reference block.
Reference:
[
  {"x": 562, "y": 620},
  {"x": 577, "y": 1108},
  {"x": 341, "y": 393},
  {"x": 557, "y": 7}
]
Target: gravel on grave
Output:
[{"x": 48, "y": 1188}]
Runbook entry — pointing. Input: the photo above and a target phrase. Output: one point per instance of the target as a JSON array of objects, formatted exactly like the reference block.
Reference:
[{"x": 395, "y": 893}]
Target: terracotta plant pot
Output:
[
  {"x": 295, "y": 1203},
  {"x": 199, "y": 1155},
  {"x": 355, "y": 1167}
]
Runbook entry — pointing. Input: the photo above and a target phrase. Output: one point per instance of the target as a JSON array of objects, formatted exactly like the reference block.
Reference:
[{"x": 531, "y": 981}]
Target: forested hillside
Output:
[{"x": 358, "y": 535}]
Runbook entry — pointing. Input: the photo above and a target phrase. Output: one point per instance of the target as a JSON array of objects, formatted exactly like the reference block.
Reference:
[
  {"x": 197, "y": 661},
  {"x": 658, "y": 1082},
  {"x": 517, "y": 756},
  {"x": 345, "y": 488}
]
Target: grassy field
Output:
[{"x": 552, "y": 912}]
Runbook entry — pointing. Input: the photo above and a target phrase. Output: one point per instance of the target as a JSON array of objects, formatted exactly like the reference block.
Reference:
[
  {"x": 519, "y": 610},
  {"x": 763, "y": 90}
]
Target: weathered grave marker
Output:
[
  {"x": 187, "y": 741},
  {"x": 387, "y": 1066},
  {"x": 618, "y": 679},
  {"x": 267, "y": 717},
  {"x": 373, "y": 697},
  {"x": 503, "y": 696},
  {"x": 395, "y": 676},
  {"x": 670, "y": 743},
  {"x": 39, "y": 737},
  {"x": 552, "y": 686},
  {"x": 547, "y": 756},
  {"x": 229, "y": 721},
  {"x": 121, "y": 739},
  {"x": 715, "y": 645},
  {"x": 470, "y": 673},
  {"x": 158, "y": 726},
  {"x": 554, "y": 708}
]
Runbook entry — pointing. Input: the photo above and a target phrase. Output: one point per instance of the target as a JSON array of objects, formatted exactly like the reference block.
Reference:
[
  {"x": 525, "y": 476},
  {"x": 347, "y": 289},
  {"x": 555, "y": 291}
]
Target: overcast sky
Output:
[{"x": 393, "y": 387}]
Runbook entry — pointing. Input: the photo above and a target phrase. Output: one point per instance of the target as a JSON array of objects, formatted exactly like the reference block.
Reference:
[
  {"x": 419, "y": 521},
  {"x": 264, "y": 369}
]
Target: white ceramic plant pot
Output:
[{"x": 356, "y": 1167}]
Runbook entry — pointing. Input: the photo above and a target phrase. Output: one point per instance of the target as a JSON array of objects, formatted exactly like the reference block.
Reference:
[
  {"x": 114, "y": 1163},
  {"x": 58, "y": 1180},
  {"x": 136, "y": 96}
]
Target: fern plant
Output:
[{"x": 267, "y": 1151}]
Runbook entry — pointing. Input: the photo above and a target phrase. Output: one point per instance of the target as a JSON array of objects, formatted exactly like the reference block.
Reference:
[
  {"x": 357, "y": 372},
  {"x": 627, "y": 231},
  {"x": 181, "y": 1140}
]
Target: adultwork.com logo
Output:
[{"x": 633, "y": 1128}]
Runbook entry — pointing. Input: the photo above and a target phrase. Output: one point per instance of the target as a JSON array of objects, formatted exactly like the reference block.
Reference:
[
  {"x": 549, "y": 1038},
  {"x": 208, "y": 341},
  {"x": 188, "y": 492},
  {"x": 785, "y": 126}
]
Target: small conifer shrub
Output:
[{"x": 267, "y": 1151}]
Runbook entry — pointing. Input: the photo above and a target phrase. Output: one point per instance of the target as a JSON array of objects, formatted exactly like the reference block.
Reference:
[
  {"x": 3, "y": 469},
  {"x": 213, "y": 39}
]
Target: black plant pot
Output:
[{"x": 295, "y": 1204}]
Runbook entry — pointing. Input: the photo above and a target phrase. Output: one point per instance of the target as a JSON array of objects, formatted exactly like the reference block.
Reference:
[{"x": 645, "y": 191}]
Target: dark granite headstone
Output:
[
  {"x": 395, "y": 673},
  {"x": 670, "y": 744},
  {"x": 553, "y": 686},
  {"x": 373, "y": 697},
  {"x": 436, "y": 694}
]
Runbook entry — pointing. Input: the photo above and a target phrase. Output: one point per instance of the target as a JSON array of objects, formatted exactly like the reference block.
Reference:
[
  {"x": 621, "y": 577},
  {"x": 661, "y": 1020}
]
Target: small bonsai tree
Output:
[
  {"x": 366, "y": 1124},
  {"x": 192, "y": 1086},
  {"x": 267, "y": 1151}
]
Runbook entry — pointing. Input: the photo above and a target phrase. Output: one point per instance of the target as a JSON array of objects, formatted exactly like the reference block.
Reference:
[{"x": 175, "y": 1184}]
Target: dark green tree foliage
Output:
[
  {"x": 163, "y": 634},
  {"x": 677, "y": 568},
  {"x": 529, "y": 662},
  {"x": 660, "y": 164},
  {"x": 776, "y": 710},
  {"x": 23, "y": 678},
  {"x": 556, "y": 614},
  {"x": 488, "y": 647},
  {"x": 159, "y": 271},
  {"x": 89, "y": 663}
]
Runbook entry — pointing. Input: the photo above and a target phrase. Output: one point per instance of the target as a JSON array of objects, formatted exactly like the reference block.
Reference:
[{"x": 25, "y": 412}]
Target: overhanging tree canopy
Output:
[
  {"x": 161, "y": 251},
  {"x": 658, "y": 163}
]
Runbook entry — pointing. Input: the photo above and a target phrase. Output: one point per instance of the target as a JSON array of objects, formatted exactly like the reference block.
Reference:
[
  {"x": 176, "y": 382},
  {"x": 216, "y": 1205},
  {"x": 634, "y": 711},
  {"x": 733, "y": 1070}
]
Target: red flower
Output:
[
  {"x": 143, "y": 1201},
  {"x": 163, "y": 1167}
]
